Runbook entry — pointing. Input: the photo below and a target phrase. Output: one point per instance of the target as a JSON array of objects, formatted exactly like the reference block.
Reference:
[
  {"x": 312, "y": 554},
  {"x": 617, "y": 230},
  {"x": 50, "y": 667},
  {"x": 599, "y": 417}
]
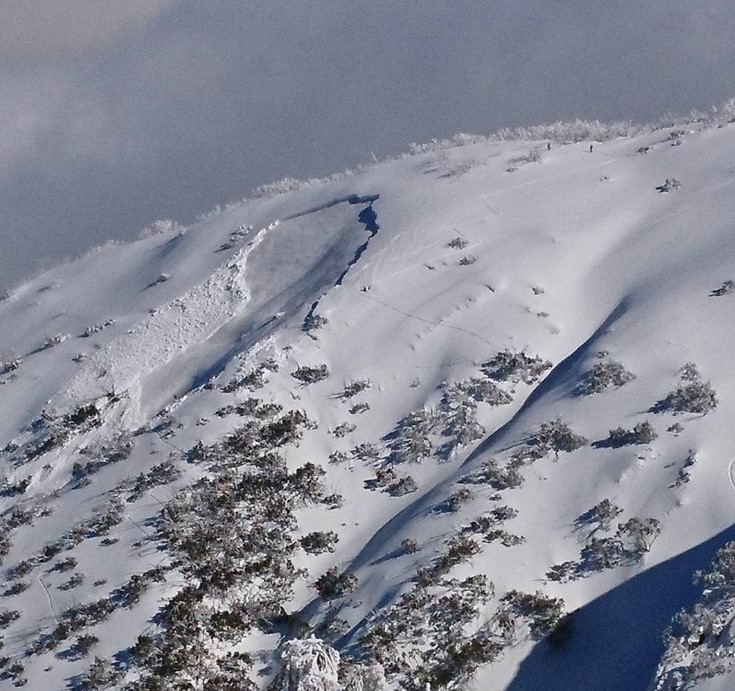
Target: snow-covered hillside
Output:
[{"x": 465, "y": 416}]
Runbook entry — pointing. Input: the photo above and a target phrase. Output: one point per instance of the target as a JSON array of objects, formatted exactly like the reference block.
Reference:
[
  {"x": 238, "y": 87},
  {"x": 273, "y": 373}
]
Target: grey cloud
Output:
[
  {"x": 43, "y": 29},
  {"x": 187, "y": 105}
]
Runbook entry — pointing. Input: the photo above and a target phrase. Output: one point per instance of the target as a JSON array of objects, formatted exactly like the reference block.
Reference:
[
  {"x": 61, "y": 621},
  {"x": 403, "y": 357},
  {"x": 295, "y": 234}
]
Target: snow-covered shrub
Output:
[
  {"x": 308, "y": 665},
  {"x": 333, "y": 584},
  {"x": 83, "y": 414},
  {"x": 311, "y": 375},
  {"x": 313, "y": 322},
  {"x": 727, "y": 288},
  {"x": 458, "y": 411},
  {"x": 306, "y": 485},
  {"x": 84, "y": 644},
  {"x": 365, "y": 452},
  {"x": 96, "y": 328},
  {"x": 544, "y": 613},
  {"x": 162, "y": 278},
  {"x": 384, "y": 477},
  {"x": 691, "y": 396},
  {"x": 411, "y": 442},
  {"x": 557, "y": 436},
  {"x": 343, "y": 429},
  {"x": 684, "y": 475},
  {"x": 101, "y": 675},
  {"x": 639, "y": 534},
  {"x": 409, "y": 546},
  {"x": 52, "y": 341},
  {"x": 642, "y": 433},
  {"x": 430, "y": 636},
  {"x": 670, "y": 184},
  {"x": 319, "y": 542},
  {"x": 604, "y": 376},
  {"x": 515, "y": 367},
  {"x": 353, "y": 388},
  {"x": 74, "y": 582},
  {"x": 7, "y": 617},
  {"x": 531, "y": 156},
  {"x": 64, "y": 565},
  {"x": 402, "y": 486},
  {"x": 603, "y": 514},
  {"x": 337, "y": 457},
  {"x": 456, "y": 500},
  {"x": 476, "y": 390},
  {"x": 17, "y": 588},
  {"x": 359, "y": 408},
  {"x": 253, "y": 379},
  {"x": 332, "y": 501},
  {"x": 498, "y": 478},
  {"x": 504, "y": 537},
  {"x": 467, "y": 260},
  {"x": 460, "y": 548},
  {"x": 458, "y": 243},
  {"x": 599, "y": 554},
  {"x": 10, "y": 365},
  {"x": 362, "y": 677}
]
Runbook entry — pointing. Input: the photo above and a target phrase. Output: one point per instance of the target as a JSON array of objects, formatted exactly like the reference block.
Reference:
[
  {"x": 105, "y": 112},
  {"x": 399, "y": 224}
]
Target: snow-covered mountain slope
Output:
[{"x": 465, "y": 413}]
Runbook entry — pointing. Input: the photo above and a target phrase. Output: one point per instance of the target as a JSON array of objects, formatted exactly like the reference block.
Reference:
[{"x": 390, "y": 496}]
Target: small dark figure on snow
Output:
[
  {"x": 590, "y": 148},
  {"x": 548, "y": 146}
]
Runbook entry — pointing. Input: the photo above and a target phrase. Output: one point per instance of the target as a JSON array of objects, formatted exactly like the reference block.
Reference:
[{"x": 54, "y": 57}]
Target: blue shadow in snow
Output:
[{"x": 615, "y": 643}]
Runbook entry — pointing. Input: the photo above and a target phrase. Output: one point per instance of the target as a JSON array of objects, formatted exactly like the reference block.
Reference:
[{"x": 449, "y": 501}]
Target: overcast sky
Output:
[{"x": 114, "y": 113}]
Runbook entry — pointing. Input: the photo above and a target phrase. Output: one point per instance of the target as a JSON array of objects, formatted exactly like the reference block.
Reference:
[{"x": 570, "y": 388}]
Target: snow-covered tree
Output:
[{"x": 308, "y": 665}]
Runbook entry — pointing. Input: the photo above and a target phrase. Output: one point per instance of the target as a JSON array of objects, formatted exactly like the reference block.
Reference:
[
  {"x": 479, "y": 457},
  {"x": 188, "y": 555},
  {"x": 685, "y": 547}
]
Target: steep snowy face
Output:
[{"x": 459, "y": 420}]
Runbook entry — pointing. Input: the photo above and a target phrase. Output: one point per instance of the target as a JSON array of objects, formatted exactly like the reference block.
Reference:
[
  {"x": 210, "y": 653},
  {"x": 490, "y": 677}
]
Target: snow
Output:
[{"x": 574, "y": 254}]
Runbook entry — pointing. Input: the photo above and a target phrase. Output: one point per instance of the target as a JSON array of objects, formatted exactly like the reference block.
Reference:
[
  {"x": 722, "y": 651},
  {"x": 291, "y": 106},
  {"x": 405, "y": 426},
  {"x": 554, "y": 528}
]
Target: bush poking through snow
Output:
[
  {"x": 727, "y": 288},
  {"x": 411, "y": 441},
  {"x": 498, "y": 478},
  {"x": 319, "y": 542},
  {"x": 601, "y": 516},
  {"x": 311, "y": 375},
  {"x": 402, "y": 486},
  {"x": 343, "y": 429},
  {"x": 670, "y": 184},
  {"x": 52, "y": 341},
  {"x": 604, "y": 376},
  {"x": 354, "y": 388},
  {"x": 10, "y": 365},
  {"x": 557, "y": 436},
  {"x": 515, "y": 367},
  {"x": 692, "y": 395},
  {"x": 333, "y": 584},
  {"x": 7, "y": 617},
  {"x": 308, "y": 665},
  {"x": 545, "y": 613},
  {"x": 458, "y": 243},
  {"x": 313, "y": 322},
  {"x": 409, "y": 546},
  {"x": 642, "y": 433},
  {"x": 639, "y": 533}
]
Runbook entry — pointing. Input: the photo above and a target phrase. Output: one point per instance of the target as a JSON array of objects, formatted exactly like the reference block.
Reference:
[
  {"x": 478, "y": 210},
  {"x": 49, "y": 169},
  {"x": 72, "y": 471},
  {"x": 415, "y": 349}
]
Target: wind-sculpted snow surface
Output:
[{"x": 486, "y": 447}]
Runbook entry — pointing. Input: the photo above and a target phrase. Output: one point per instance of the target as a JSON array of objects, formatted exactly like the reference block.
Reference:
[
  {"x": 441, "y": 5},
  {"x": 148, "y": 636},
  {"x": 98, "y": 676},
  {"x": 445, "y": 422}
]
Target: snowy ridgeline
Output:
[{"x": 459, "y": 420}]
